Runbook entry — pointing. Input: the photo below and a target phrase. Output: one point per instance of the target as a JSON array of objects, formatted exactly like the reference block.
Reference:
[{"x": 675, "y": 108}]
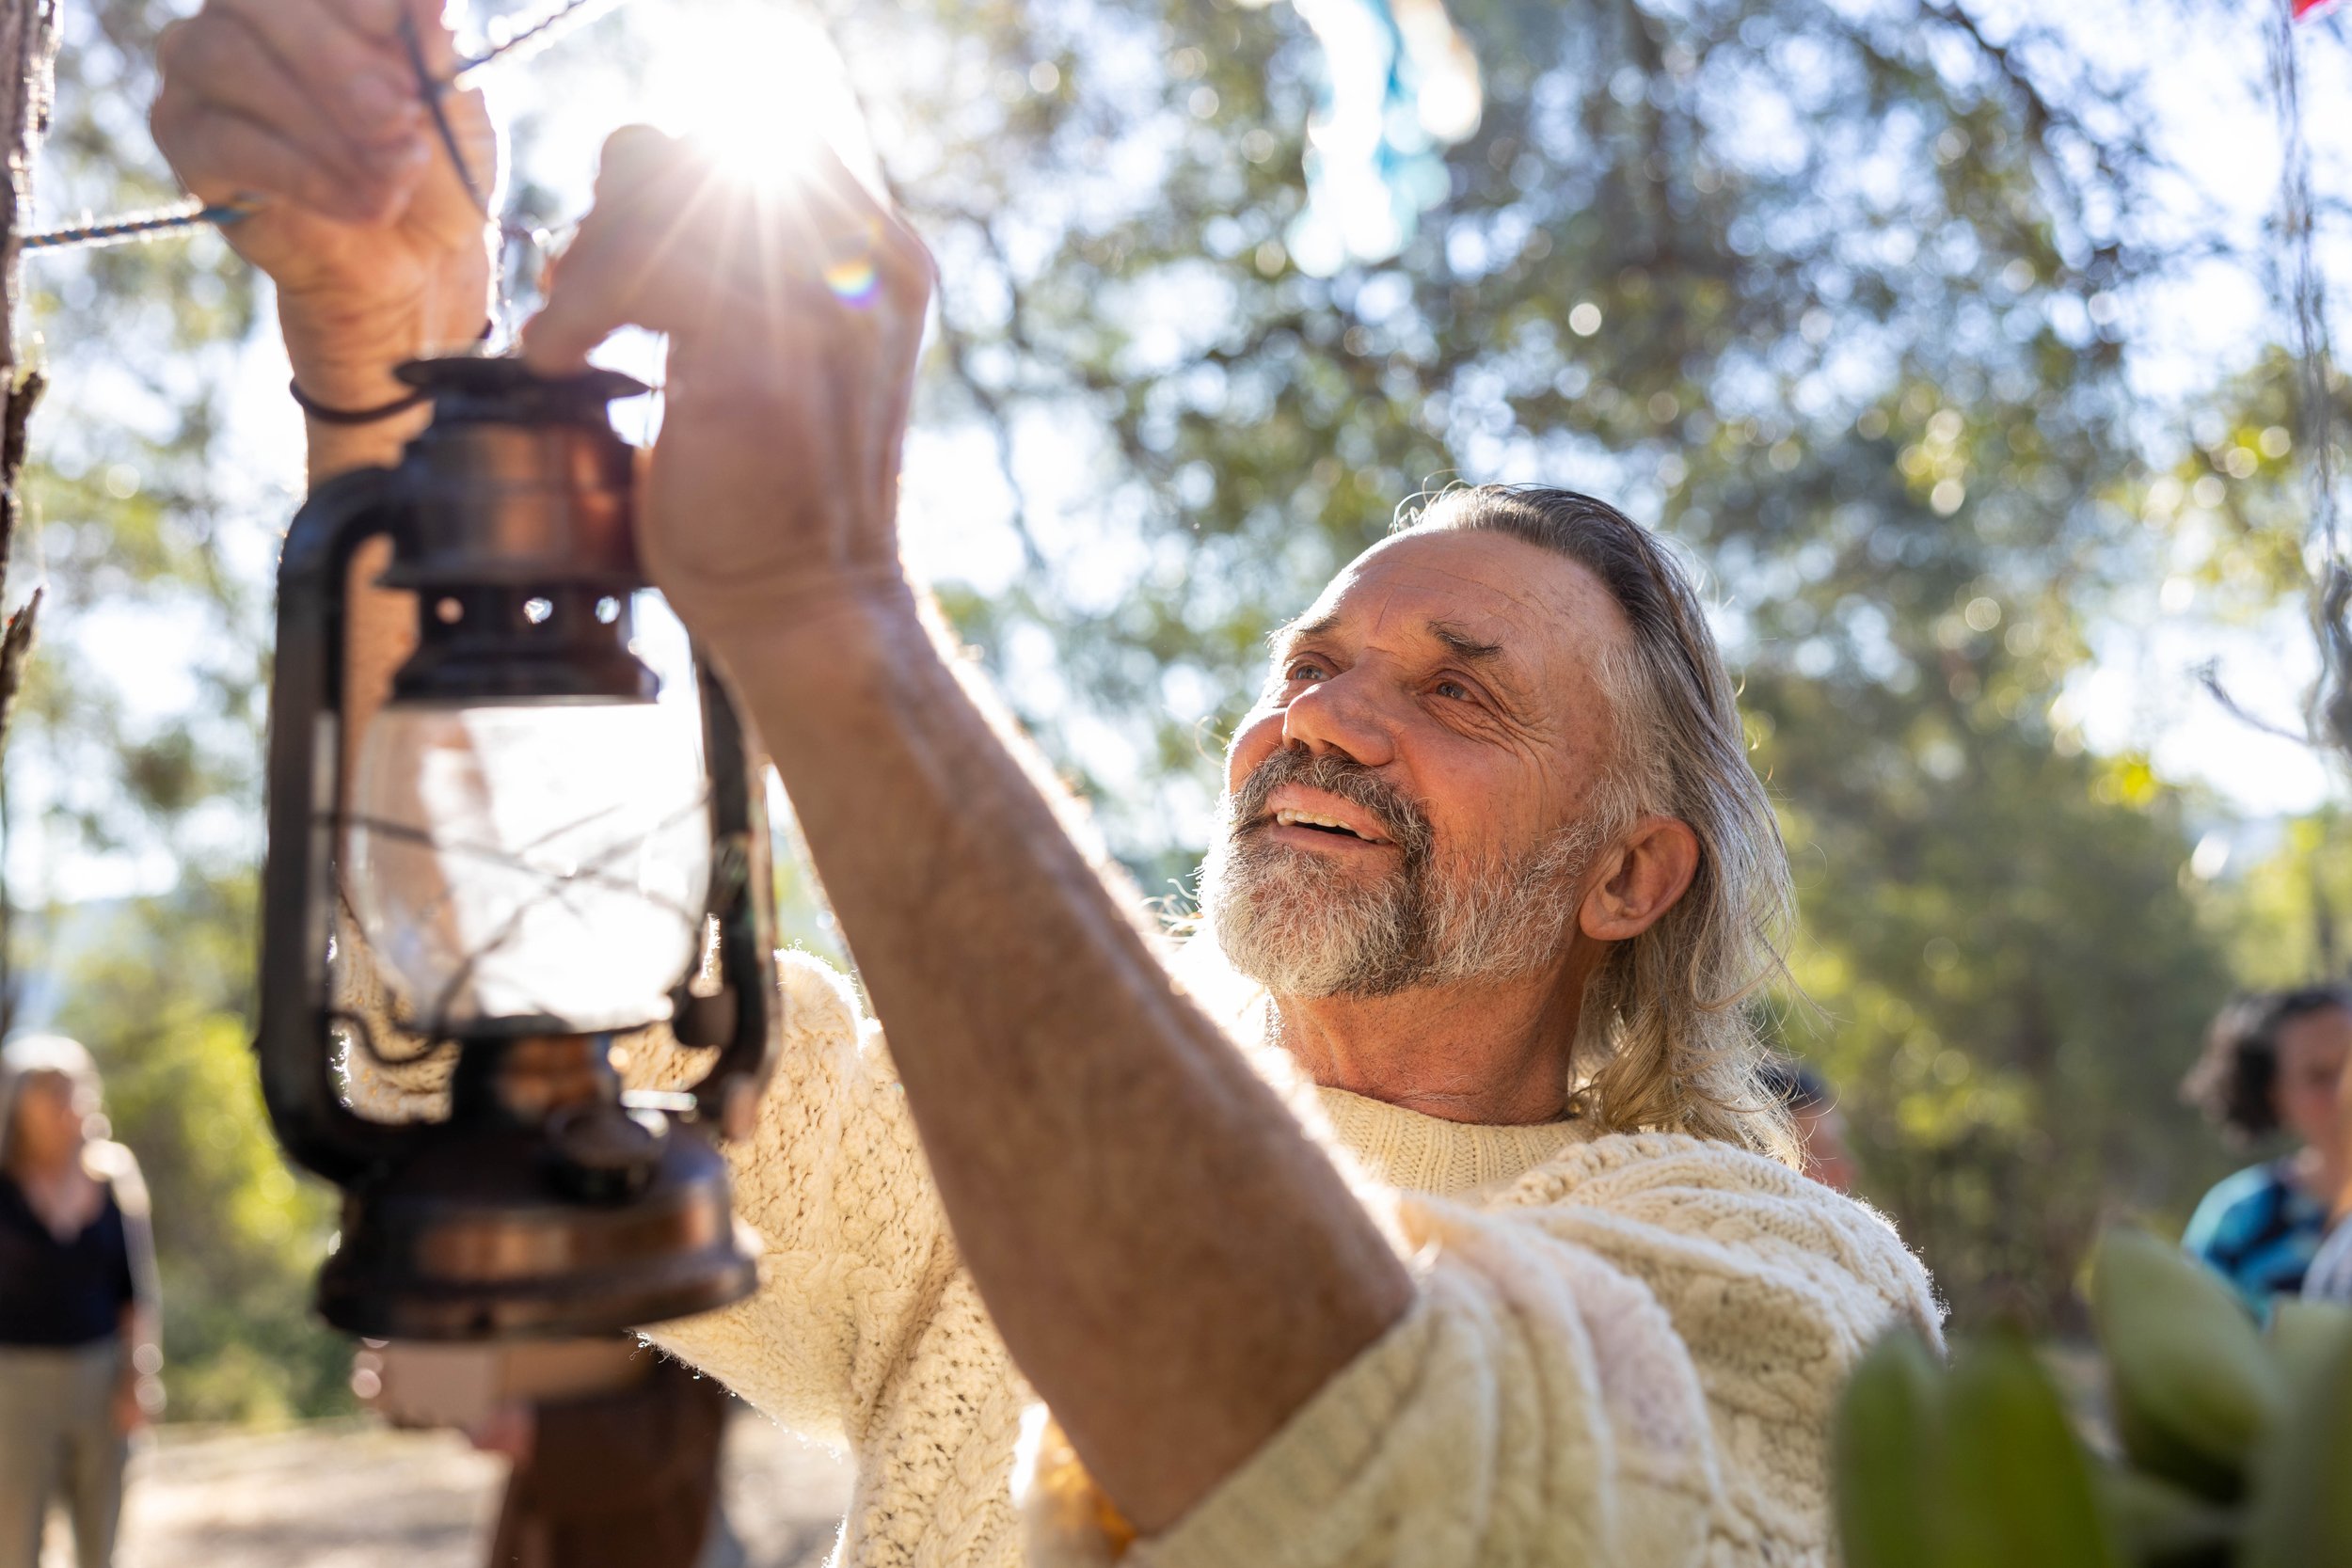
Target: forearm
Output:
[
  {"x": 343, "y": 356},
  {"x": 1174, "y": 1266},
  {"x": 138, "y": 1325}
]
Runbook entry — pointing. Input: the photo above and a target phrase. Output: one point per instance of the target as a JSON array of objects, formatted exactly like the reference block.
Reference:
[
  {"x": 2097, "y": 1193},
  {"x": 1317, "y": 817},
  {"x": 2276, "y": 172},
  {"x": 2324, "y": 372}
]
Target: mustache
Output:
[{"x": 1400, "y": 817}]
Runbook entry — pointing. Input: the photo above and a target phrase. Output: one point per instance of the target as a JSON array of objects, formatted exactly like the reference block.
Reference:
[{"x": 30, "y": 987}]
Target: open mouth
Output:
[{"x": 1287, "y": 817}]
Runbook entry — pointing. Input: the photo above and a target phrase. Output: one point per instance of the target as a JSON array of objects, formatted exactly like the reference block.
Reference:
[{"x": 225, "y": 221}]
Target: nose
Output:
[{"x": 1341, "y": 716}]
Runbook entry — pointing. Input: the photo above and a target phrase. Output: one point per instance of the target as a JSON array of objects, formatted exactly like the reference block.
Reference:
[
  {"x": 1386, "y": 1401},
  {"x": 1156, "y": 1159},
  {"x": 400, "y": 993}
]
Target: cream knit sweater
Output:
[{"x": 1624, "y": 1351}]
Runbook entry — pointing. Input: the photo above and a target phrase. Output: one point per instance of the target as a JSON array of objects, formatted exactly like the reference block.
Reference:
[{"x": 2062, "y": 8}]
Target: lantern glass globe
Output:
[{"x": 531, "y": 866}]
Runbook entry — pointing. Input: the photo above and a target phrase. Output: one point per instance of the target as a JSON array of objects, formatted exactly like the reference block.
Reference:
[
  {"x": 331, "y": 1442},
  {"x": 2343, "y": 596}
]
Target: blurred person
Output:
[
  {"x": 614, "y": 1449},
  {"x": 622, "y": 1476},
  {"x": 1820, "y": 1125},
  {"x": 79, "y": 1358},
  {"x": 1465, "y": 1237},
  {"x": 2273, "y": 1063},
  {"x": 2329, "y": 1277}
]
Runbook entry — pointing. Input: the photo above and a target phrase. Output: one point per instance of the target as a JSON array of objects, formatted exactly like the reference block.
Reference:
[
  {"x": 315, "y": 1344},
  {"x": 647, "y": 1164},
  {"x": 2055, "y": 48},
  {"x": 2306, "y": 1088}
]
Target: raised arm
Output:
[
  {"x": 310, "y": 111},
  {"x": 1173, "y": 1266}
]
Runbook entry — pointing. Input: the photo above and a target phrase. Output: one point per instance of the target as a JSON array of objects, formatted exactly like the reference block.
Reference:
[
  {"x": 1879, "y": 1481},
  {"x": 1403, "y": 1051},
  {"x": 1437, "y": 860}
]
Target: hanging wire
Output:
[
  {"x": 433, "y": 92},
  {"x": 505, "y": 44},
  {"x": 2332, "y": 571},
  {"x": 2328, "y": 714}
]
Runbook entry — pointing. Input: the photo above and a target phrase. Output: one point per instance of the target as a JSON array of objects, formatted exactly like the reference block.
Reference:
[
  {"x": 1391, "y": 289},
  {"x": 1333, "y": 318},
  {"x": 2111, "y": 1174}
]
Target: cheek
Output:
[
  {"x": 1484, "y": 798},
  {"x": 2310, "y": 1099}
]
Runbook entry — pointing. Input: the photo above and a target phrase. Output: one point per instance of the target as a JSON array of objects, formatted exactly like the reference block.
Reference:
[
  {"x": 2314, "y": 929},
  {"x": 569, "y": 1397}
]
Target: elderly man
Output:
[{"x": 1508, "y": 1276}]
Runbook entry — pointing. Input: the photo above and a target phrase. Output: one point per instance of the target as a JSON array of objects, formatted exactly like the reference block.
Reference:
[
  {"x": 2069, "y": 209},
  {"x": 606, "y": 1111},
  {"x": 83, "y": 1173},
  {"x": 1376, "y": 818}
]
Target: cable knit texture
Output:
[{"x": 1624, "y": 1351}]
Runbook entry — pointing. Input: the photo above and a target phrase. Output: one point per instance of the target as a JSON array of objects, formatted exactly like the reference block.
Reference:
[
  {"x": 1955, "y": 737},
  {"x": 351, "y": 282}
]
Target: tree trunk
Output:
[{"x": 28, "y": 49}]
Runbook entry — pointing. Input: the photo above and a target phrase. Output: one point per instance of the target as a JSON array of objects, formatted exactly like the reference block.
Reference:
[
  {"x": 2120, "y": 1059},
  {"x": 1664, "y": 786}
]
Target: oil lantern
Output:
[{"x": 537, "y": 853}]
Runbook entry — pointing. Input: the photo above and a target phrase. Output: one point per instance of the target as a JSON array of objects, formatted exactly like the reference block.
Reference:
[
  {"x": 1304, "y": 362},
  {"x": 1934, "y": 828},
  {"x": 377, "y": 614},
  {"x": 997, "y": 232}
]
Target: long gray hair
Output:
[{"x": 1667, "y": 1039}]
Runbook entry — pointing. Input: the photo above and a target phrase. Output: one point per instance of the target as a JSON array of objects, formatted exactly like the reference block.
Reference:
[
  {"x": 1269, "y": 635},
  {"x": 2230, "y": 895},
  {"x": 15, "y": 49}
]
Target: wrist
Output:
[
  {"x": 835, "y": 633},
  {"x": 344, "y": 350}
]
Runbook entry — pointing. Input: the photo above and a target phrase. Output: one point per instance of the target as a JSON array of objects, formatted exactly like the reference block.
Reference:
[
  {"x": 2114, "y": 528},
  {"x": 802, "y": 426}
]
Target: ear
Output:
[{"x": 1640, "y": 880}]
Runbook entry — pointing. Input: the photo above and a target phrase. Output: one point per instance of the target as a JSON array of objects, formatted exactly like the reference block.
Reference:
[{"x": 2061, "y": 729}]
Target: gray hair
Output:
[{"x": 1667, "y": 1039}]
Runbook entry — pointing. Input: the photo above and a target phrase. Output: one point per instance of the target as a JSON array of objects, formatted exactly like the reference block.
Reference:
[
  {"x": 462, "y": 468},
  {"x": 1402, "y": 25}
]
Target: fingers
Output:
[
  {"x": 602, "y": 281},
  {"x": 352, "y": 78},
  {"x": 233, "y": 117},
  {"x": 313, "y": 101},
  {"x": 673, "y": 247},
  {"x": 222, "y": 155}
]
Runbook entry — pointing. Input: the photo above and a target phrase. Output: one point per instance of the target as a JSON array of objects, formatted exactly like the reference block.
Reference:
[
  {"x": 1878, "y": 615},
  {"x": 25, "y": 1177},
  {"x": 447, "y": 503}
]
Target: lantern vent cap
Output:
[{"x": 477, "y": 387}]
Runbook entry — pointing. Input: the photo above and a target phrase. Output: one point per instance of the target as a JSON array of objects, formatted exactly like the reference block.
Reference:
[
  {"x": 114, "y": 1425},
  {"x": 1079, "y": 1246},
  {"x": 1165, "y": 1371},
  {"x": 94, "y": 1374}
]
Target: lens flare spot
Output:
[{"x": 852, "y": 280}]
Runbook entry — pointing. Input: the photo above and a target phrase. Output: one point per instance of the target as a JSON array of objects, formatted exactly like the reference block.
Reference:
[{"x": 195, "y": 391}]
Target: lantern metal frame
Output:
[{"x": 580, "y": 1211}]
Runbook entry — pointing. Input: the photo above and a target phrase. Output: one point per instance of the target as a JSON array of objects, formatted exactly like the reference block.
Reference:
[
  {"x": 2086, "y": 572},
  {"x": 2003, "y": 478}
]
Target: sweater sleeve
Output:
[
  {"x": 853, "y": 1241},
  {"x": 1631, "y": 1360}
]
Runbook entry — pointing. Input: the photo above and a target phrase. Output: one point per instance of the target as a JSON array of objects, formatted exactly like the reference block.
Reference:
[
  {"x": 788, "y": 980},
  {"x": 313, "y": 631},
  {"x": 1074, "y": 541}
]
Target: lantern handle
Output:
[
  {"x": 304, "y": 815},
  {"x": 750, "y": 1034}
]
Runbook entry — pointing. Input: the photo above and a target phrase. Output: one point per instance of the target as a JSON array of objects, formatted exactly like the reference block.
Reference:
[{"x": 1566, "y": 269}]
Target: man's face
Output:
[{"x": 1409, "y": 803}]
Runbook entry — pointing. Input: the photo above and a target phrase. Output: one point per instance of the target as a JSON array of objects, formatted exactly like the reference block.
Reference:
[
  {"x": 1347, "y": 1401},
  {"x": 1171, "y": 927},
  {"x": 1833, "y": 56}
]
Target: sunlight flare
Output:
[{"x": 762, "y": 87}]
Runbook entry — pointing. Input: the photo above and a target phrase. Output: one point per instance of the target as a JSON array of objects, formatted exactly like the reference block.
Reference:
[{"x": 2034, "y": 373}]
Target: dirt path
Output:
[{"x": 354, "y": 1495}]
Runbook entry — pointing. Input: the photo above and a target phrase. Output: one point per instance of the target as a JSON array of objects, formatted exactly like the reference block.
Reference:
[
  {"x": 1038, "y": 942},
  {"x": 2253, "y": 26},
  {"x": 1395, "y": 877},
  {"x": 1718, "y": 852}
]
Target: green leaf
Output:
[
  {"x": 2306, "y": 1337},
  {"x": 2164, "y": 1525},
  {"x": 2018, "y": 1481},
  {"x": 2195, "y": 1389},
  {"x": 2300, "y": 1515},
  {"x": 1884, "y": 1457}
]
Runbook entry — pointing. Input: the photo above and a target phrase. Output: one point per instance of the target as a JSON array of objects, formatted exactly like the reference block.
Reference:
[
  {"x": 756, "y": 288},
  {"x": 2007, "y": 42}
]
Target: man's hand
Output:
[
  {"x": 312, "y": 109},
  {"x": 129, "y": 1411},
  {"x": 511, "y": 1429},
  {"x": 795, "y": 314}
]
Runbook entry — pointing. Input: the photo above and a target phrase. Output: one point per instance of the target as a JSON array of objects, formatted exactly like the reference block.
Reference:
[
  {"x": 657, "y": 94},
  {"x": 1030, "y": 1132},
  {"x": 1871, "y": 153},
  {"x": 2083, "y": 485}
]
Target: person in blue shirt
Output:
[{"x": 2271, "y": 1064}]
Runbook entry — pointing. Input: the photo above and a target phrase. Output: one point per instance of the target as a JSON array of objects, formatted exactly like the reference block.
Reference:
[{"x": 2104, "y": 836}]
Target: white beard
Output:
[{"x": 1301, "y": 926}]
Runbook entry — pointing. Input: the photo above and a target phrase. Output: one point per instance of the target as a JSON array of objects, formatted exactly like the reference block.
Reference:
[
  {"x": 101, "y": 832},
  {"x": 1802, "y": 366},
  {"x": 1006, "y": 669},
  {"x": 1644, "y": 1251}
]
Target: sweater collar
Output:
[{"x": 1420, "y": 1153}]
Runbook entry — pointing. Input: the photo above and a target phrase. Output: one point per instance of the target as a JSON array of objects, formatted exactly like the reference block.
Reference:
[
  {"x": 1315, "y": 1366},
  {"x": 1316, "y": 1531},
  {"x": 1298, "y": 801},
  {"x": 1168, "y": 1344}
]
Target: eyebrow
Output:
[
  {"x": 1463, "y": 643},
  {"x": 1293, "y": 632},
  {"x": 1455, "y": 639}
]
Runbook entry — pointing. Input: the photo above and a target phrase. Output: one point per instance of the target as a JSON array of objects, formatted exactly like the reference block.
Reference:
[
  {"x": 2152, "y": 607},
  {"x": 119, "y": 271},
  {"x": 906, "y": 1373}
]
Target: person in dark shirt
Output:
[
  {"x": 2272, "y": 1064},
  {"x": 78, "y": 1356}
]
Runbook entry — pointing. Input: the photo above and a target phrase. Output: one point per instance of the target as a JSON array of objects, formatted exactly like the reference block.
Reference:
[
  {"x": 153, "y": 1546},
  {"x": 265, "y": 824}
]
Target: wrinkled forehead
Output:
[{"x": 1548, "y": 613}]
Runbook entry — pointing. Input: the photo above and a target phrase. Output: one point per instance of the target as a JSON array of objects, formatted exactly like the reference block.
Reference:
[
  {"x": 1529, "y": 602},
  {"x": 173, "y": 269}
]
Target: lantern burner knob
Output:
[{"x": 600, "y": 1153}]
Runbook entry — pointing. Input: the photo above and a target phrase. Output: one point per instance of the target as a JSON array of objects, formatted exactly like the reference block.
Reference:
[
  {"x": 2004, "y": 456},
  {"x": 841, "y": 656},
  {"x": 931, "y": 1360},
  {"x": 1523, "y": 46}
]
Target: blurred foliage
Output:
[
  {"x": 1841, "y": 294},
  {"x": 2285, "y": 916},
  {"x": 2202, "y": 1443}
]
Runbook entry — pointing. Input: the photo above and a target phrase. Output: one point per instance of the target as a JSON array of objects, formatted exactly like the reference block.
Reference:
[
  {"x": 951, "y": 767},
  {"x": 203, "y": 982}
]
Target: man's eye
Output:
[
  {"x": 1455, "y": 692},
  {"x": 1303, "y": 670}
]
